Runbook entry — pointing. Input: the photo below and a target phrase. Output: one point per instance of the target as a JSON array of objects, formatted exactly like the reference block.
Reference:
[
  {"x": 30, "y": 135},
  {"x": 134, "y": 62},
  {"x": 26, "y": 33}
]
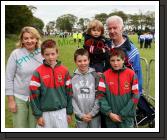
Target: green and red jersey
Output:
[
  {"x": 118, "y": 92},
  {"x": 51, "y": 89}
]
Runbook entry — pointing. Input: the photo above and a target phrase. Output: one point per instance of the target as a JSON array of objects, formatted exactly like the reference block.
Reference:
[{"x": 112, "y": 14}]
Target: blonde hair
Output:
[
  {"x": 95, "y": 24},
  {"x": 34, "y": 32}
]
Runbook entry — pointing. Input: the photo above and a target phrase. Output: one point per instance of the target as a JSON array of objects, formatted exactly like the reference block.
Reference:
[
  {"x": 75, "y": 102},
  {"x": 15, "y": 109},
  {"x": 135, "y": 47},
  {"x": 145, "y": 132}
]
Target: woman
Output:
[{"x": 20, "y": 66}]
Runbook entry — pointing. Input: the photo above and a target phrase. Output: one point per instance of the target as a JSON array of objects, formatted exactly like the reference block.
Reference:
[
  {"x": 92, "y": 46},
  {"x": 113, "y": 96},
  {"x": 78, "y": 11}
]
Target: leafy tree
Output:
[
  {"x": 121, "y": 14},
  {"x": 66, "y": 22},
  {"x": 32, "y": 8},
  {"x": 101, "y": 17},
  {"x": 141, "y": 19},
  {"x": 16, "y": 17},
  {"x": 50, "y": 27},
  {"x": 83, "y": 23},
  {"x": 134, "y": 21},
  {"x": 149, "y": 20},
  {"x": 38, "y": 24}
]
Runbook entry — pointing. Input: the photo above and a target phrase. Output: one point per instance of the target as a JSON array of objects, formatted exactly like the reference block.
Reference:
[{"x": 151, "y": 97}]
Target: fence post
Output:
[
  {"x": 149, "y": 80},
  {"x": 147, "y": 73}
]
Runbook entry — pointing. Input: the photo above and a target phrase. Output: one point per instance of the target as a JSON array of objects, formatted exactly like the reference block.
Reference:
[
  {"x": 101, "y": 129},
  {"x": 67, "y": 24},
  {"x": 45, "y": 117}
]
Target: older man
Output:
[{"x": 115, "y": 27}]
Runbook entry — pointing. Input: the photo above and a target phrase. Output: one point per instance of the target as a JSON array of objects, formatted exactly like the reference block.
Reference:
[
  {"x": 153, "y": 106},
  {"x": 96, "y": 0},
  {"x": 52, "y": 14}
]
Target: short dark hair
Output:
[
  {"x": 49, "y": 43},
  {"x": 80, "y": 51},
  {"x": 117, "y": 52}
]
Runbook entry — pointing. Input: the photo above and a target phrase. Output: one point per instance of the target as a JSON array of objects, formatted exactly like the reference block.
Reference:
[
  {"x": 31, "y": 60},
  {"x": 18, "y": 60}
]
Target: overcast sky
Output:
[{"x": 51, "y": 11}]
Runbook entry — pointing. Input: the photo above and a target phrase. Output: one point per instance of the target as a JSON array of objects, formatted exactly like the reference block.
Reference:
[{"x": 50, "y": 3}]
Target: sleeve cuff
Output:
[{"x": 9, "y": 93}]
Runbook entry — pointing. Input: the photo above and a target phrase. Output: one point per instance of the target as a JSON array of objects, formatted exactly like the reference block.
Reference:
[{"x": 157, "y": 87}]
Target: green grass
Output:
[
  {"x": 10, "y": 44},
  {"x": 148, "y": 54},
  {"x": 66, "y": 51}
]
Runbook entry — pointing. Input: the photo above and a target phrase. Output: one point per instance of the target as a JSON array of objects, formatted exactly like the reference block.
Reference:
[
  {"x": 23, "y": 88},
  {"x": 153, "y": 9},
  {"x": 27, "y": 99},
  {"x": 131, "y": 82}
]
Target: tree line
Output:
[
  {"x": 135, "y": 22},
  {"x": 17, "y": 16}
]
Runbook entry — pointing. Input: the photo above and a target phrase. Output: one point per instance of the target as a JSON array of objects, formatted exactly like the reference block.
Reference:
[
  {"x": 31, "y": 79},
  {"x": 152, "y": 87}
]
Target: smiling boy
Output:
[
  {"x": 51, "y": 90},
  {"x": 86, "y": 107}
]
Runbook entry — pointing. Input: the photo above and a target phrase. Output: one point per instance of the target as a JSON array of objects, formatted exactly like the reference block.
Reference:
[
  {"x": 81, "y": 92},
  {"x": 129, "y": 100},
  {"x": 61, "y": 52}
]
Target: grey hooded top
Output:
[{"x": 84, "y": 101}]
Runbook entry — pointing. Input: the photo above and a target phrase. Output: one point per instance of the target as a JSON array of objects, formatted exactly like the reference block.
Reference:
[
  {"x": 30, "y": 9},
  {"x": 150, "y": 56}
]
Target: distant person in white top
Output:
[
  {"x": 146, "y": 42},
  {"x": 20, "y": 66},
  {"x": 150, "y": 38},
  {"x": 141, "y": 40}
]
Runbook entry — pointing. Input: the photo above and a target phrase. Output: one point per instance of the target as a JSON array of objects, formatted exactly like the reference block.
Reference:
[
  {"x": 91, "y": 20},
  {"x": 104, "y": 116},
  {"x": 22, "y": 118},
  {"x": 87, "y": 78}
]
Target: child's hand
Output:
[
  {"x": 41, "y": 121},
  {"x": 89, "y": 116},
  {"x": 99, "y": 73},
  {"x": 107, "y": 48},
  {"x": 91, "y": 49},
  {"x": 69, "y": 119},
  {"x": 103, "y": 50},
  {"x": 85, "y": 118},
  {"x": 115, "y": 117}
]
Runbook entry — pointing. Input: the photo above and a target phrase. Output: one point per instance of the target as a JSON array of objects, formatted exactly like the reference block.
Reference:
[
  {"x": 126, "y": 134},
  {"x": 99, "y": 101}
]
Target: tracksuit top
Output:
[
  {"x": 95, "y": 46},
  {"x": 51, "y": 89},
  {"x": 118, "y": 92},
  {"x": 132, "y": 60}
]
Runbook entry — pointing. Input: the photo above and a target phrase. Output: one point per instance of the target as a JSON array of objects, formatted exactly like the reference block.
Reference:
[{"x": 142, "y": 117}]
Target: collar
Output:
[
  {"x": 126, "y": 44},
  {"x": 114, "y": 46},
  {"x": 89, "y": 71},
  {"x": 46, "y": 64},
  {"x": 120, "y": 70}
]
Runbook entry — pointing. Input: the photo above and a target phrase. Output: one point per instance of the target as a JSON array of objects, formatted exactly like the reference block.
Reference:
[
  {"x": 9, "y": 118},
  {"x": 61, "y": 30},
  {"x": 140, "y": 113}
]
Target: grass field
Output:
[{"x": 66, "y": 51}]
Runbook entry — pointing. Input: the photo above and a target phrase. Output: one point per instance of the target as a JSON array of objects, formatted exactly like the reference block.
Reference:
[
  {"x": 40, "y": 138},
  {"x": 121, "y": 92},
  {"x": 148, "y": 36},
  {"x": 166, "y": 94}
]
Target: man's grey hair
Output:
[{"x": 115, "y": 18}]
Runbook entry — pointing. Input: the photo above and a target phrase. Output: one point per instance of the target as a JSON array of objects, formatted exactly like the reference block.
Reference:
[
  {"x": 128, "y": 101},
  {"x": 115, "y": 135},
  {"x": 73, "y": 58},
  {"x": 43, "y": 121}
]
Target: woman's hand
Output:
[{"x": 12, "y": 104}]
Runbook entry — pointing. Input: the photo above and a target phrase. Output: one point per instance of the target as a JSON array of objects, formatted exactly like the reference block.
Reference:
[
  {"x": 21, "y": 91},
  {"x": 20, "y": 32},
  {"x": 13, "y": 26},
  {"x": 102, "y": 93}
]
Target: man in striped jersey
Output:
[
  {"x": 51, "y": 90},
  {"x": 119, "y": 40}
]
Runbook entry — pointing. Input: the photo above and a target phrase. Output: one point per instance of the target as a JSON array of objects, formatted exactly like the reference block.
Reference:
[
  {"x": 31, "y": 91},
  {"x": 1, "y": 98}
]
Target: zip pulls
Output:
[
  {"x": 58, "y": 78},
  {"x": 53, "y": 76},
  {"x": 118, "y": 82},
  {"x": 58, "y": 63}
]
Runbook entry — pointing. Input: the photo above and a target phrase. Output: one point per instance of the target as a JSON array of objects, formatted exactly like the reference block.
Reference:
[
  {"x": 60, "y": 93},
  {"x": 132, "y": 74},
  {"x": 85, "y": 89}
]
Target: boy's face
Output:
[
  {"x": 95, "y": 32},
  {"x": 50, "y": 55},
  {"x": 82, "y": 63},
  {"x": 116, "y": 62}
]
